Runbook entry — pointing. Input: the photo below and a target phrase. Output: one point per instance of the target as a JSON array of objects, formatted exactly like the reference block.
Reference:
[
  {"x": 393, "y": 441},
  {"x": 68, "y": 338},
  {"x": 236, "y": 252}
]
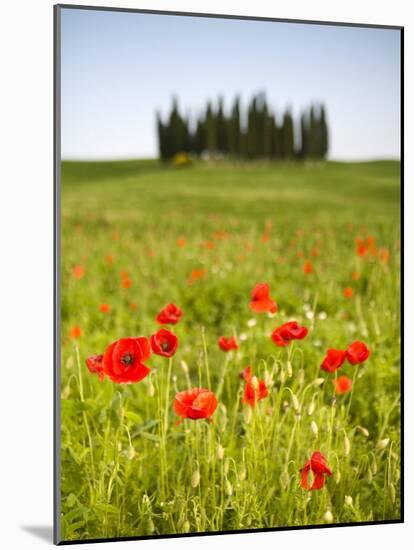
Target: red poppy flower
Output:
[
  {"x": 384, "y": 255},
  {"x": 164, "y": 343},
  {"x": 181, "y": 242},
  {"x": 260, "y": 299},
  {"x": 95, "y": 365},
  {"x": 348, "y": 292},
  {"x": 334, "y": 359},
  {"x": 342, "y": 384},
  {"x": 124, "y": 360},
  {"x": 126, "y": 283},
  {"x": 78, "y": 271},
  {"x": 75, "y": 332},
  {"x": 105, "y": 308},
  {"x": 170, "y": 315},
  {"x": 227, "y": 344},
  {"x": 195, "y": 403},
  {"x": 319, "y": 468},
  {"x": 307, "y": 268},
  {"x": 255, "y": 389},
  {"x": 282, "y": 335},
  {"x": 357, "y": 353}
]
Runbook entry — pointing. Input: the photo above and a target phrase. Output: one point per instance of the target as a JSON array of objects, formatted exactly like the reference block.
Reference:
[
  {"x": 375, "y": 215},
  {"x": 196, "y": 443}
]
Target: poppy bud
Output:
[
  {"x": 150, "y": 526},
  {"x": 311, "y": 408},
  {"x": 228, "y": 487},
  {"x": 328, "y": 517},
  {"x": 363, "y": 430},
  {"x": 374, "y": 467},
  {"x": 348, "y": 500},
  {"x": 369, "y": 475},
  {"x": 282, "y": 376},
  {"x": 195, "y": 478},
  {"x": 242, "y": 473},
  {"x": 248, "y": 413},
  {"x": 347, "y": 446},
  {"x": 391, "y": 490},
  {"x": 255, "y": 383},
  {"x": 226, "y": 467},
  {"x": 186, "y": 526},
  {"x": 220, "y": 452},
  {"x": 151, "y": 389},
  {"x": 318, "y": 381},
  {"x": 382, "y": 443},
  {"x": 314, "y": 428},
  {"x": 338, "y": 477},
  {"x": 130, "y": 452},
  {"x": 301, "y": 377},
  {"x": 184, "y": 367},
  {"x": 289, "y": 369},
  {"x": 65, "y": 392},
  {"x": 295, "y": 402}
]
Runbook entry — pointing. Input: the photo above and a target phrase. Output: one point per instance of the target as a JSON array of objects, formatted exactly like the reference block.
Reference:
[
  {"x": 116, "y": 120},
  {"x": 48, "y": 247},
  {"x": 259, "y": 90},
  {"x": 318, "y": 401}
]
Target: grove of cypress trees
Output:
[{"x": 258, "y": 135}]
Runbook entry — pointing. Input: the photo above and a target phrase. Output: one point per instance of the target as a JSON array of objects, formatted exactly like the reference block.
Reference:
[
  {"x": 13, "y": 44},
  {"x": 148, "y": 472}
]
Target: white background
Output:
[{"x": 26, "y": 321}]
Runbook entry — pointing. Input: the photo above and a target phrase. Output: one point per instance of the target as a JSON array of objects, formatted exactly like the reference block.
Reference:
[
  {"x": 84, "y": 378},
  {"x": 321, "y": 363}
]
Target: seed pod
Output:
[
  {"x": 382, "y": 443},
  {"x": 314, "y": 428},
  {"x": 348, "y": 500},
  {"x": 328, "y": 517},
  {"x": 220, "y": 451},
  {"x": 228, "y": 487},
  {"x": 347, "y": 446},
  {"x": 195, "y": 478}
]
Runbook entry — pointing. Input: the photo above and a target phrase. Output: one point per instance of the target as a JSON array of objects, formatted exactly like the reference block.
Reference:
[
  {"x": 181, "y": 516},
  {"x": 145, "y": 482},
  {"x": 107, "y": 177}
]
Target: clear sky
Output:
[{"x": 118, "y": 68}]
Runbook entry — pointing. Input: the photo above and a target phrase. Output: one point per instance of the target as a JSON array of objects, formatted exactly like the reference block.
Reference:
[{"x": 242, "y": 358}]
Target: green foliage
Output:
[{"x": 127, "y": 469}]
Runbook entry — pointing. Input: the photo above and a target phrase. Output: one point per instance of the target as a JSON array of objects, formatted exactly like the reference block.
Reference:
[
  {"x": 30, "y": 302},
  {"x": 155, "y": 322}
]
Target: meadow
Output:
[{"x": 139, "y": 235}]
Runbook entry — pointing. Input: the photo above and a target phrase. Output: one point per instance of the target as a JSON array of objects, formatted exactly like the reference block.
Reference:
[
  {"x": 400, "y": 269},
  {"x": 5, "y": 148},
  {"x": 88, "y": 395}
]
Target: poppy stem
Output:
[{"x": 203, "y": 337}]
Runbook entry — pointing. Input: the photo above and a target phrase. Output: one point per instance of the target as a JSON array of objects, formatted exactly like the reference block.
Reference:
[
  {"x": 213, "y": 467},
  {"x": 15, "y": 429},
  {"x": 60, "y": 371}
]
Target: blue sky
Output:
[{"x": 118, "y": 68}]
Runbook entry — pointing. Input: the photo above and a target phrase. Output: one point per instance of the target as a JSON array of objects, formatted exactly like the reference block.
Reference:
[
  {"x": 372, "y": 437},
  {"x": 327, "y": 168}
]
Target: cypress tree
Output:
[
  {"x": 324, "y": 133},
  {"x": 211, "y": 140},
  {"x": 288, "y": 141}
]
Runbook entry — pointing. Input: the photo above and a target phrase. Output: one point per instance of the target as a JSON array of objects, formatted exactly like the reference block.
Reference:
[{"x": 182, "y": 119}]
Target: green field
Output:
[{"x": 202, "y": 237}]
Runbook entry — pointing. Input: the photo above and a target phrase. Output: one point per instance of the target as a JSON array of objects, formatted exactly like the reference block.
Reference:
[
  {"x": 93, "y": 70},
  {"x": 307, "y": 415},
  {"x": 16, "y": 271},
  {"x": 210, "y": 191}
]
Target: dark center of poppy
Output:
[
  {"x": 165, "y": 346},
  {"x": 127, "y": 359}
]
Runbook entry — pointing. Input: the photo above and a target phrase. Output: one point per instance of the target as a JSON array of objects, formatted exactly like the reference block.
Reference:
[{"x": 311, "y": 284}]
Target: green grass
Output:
[{"x": 127, "y": 472}]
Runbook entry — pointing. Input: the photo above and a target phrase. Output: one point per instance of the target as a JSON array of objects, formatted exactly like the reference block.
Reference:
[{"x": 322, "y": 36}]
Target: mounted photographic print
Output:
[{"x": 228, "y": 274}]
